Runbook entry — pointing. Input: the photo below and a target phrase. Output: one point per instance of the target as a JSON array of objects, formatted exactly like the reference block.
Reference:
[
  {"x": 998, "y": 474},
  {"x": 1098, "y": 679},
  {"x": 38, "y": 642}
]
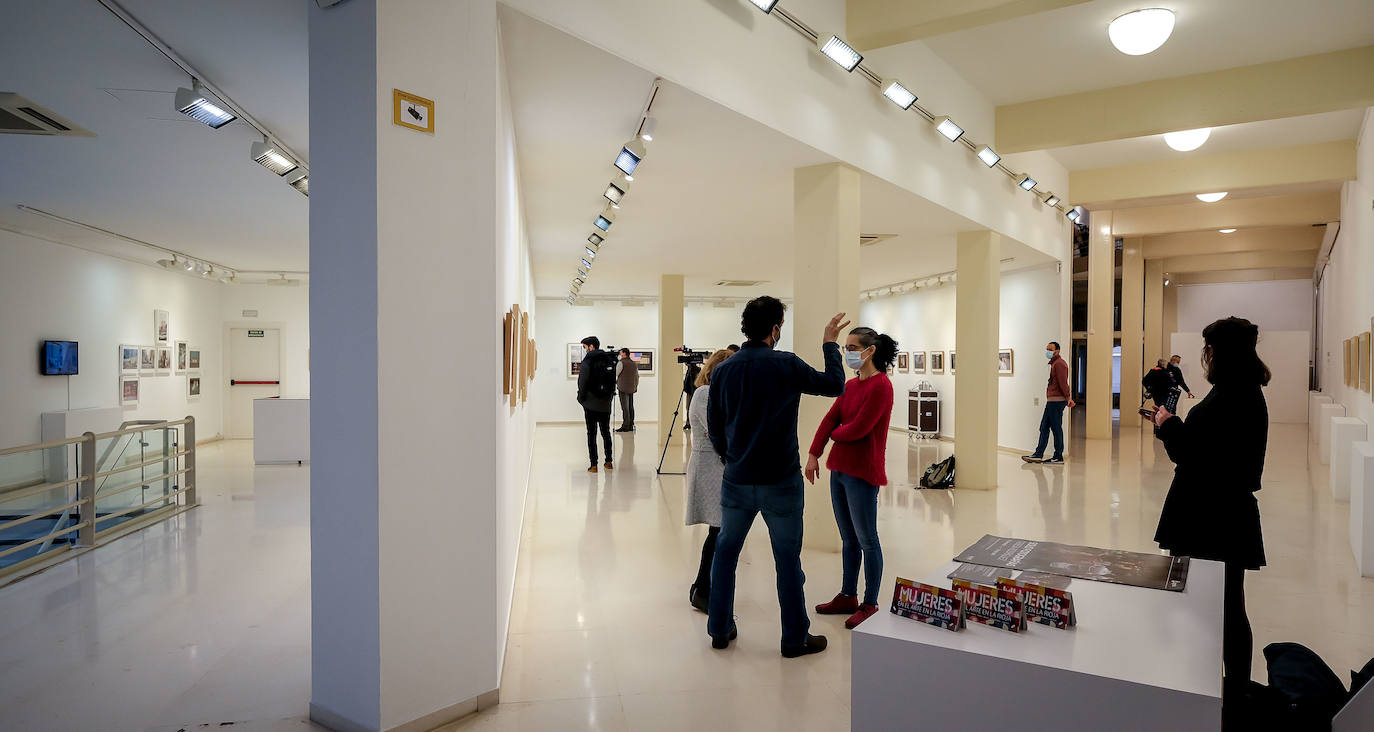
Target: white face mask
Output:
[
  {"x": 1049, "y": 354},
  {"x": 854, "y": 359}
]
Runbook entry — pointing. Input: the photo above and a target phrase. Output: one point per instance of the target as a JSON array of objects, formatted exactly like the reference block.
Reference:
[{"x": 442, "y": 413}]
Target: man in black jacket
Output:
[
  {"x": 752, "y": 418},
  {"x": 1176, "y": 374},
  {"x": 594, "y": 376}
]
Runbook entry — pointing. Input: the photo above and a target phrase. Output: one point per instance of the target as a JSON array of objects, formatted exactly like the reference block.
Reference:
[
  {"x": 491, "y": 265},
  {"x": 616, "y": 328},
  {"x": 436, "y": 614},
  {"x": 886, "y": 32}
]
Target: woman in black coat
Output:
[{"x": 1211, "y": 511}]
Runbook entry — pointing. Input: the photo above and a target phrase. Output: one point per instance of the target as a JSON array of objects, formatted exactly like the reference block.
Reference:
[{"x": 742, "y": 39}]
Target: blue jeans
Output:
[
  {"x": 781, "y": 505},
  {"x": 1052, "y": 421},
  {"x": 856, "y": 513}
]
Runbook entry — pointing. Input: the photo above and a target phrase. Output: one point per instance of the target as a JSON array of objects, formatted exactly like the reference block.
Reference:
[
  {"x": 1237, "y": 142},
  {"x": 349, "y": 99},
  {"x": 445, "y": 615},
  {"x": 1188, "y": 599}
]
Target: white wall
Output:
[
  {"x": 52, "y": 291},
  {"x": 1272, "y": 305},
  {"x": 287, "y": 308},
  {"x": 1285, "y": 352},
  {"x": 1030, "y": 317}
]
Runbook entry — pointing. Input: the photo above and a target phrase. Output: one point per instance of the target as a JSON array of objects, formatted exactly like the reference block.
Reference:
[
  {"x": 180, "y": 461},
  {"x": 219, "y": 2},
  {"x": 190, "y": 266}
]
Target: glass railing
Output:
[{"x": 63, "y": 497}]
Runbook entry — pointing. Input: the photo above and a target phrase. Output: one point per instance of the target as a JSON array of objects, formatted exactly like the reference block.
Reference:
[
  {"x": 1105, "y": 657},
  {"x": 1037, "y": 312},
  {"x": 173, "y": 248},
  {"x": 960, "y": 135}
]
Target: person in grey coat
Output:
[{"x": 704, "y": 474}]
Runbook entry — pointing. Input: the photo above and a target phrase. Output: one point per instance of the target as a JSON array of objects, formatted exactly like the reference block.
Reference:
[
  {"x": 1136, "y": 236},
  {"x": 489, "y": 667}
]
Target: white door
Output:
[{"x": 254, "y": 357}]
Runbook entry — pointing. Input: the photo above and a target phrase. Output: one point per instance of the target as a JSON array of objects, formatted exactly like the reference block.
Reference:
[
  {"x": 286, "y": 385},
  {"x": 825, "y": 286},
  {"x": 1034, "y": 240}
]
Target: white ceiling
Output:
[
  {"x": 151, "y": 173},
  {"x": 1066, "y": 50}
]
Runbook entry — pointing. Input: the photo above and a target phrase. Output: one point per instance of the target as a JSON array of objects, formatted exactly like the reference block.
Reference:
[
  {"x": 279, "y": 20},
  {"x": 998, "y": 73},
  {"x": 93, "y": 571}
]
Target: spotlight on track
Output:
[
  {"x": 1072, "y": 215},
  {"x": 615, "y": 191},
  {"x": 946, "y": 127},
  {"x": 631, "y": 153},
  {"x": 199, "y": 106},
  {"x": 988, "y": 156},
  {"x": 838, "y": 51},
  {"x": 596, "y": 239},
  {"x": 1025, "y": 182},
  {"x": 764, "y": 5},
  {"x": 605, "y": 220},
  {"x": 267, "y": 155},
  {"x": 646, "y": 132},
  {"x": 591, "y": 253},
  {"x": 586, "y": 265},
  {"x": 1051, "y": 200},
  {"x": 898, "y": 94}
]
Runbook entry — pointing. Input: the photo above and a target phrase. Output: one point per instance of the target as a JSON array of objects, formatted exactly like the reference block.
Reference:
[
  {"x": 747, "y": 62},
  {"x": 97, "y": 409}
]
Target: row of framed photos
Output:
[
  {"x": 158, "y": 360},
  {"x": 131, "y": 389},
  {"x": 920, "y": 362}
]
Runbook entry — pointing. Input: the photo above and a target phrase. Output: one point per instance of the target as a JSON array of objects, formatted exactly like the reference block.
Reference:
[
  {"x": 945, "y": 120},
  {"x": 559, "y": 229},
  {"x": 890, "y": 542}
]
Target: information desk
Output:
[
  {"x": 1138, "y": 659},
  {"x": 281, "y": 430}
]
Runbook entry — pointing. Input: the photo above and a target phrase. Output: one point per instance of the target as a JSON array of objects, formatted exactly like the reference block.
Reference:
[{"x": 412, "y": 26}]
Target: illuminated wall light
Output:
[
  {"x": 196, "y": 104},
  {"x": 266, "y": 154},
  {"x": 1025, "y": 182},
  {"x": 988, "y": 156},
  {"x": 1051, "y": 200},
  {"x": 838, "y": 51},
  {"x": 1187, "y": 140},
  {"x": 302, "y": 184},
  {"x": 596, "y": 239},
  {"x": 764, "y": 5},
  {"x": 898, "y": 94},
  {"x": 946, "y": 127},
  {"x": 1211, "y": 197},
  {"x": 1072, "y": 215},
  {"x": 1227, "y": 231}
]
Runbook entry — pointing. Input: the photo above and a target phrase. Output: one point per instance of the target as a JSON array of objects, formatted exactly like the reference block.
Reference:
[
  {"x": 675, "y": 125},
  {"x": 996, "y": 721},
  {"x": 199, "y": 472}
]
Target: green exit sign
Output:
[{"x": 255, "y": 334}]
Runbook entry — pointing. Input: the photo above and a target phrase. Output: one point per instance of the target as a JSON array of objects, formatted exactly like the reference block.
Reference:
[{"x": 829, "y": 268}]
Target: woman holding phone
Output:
[{"x": 1211, "y": 511}]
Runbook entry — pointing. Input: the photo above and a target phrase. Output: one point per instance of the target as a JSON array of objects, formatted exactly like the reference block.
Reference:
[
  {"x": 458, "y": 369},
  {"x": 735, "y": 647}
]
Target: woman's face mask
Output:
[{"x": 855, "y": 359}]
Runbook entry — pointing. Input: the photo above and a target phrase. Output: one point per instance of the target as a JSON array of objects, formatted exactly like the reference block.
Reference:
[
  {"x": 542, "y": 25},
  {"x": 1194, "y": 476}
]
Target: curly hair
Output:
[{"x": 885, "y": 348}]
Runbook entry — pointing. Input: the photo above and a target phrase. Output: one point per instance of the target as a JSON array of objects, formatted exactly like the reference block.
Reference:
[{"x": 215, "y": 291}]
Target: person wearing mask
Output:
[
  {"x": 1210, "y": 511},
  {"x": 752, "y": 423},
  {"x": 626, "y": 383},
  {"x": 1160, "y": 385},
  {"x": 1177, "y": 374},
  {"x": 704, "y": 473},
  {"x": 1057, "y": 398},
  {"x": 595, "y": 390},
  {"x": 857, "y": 422}
]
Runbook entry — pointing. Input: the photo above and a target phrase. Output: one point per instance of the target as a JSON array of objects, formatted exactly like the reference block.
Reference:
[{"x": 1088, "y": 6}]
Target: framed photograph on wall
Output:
[
  {"x": 904, "y": 362},
  {"x": 574, "y": 359},
  {"x": 951, "y": 362},
  {"x": 918, "y": 362},
  {"x": 644, "y": 360},
  {"x": 937, "y": 362},
  {"x": 193, "y": 359},
  {"x": 1345, "y": 360},
  {"x": 147, "y": 360},
  {"x": 1006, "y": 363},
  {"x": 1363, "y": 364},
  {"x": 128, "y": 391},
  {"x": 164, "y": 360},
  {"x": 507, "y": 354},
  {"x": 128, "y": 360},
  {"x": 160, "y": 327},
  {"x": 179, "y": 355},
  {"x": 192, "y": 388}
]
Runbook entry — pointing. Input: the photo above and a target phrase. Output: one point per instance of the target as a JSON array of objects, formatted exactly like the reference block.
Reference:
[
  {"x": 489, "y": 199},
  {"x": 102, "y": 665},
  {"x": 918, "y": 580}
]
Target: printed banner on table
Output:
[
  {"x": 991, "y": 606},
  {"x": 1044, "y": 605},
  {"x": 928, "y": 604},
  {"x": 1153, "y": 571},
  {"x": 980, "y": 574}
]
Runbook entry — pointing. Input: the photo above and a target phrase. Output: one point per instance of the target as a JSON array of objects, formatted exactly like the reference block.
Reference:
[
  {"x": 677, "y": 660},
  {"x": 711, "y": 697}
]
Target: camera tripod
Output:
[{"x": 669, "y": 437}]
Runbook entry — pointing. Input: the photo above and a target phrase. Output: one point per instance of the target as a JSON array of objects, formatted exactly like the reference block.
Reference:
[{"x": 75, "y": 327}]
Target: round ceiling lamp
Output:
[
  {"x": 1211, "y": 197},
  {"x": 1187, "y": 140},
  {"x": 1141, "y": 31}
]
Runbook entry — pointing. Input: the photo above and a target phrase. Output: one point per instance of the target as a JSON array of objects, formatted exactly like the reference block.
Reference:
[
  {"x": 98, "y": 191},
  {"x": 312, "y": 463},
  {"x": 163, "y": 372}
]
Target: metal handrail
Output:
[{"x": 181, "y": 458}]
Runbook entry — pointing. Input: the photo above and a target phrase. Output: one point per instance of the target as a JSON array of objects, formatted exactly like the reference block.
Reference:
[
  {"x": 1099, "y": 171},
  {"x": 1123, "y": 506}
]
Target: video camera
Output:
[{"x": 690, "y": 356}]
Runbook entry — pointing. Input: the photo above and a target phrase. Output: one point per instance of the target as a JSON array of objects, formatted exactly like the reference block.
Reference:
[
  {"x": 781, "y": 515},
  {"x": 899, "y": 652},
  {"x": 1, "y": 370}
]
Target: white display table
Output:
[
  {"x": 1345, "y": 431},
  {"x": 1315, "y": 400},
  {"x": 1326, "y": 413},
  {"x": 281, "y": 430},
  {"x": 1362, "y": 506},
  {"x": 1139, "y": 659}
]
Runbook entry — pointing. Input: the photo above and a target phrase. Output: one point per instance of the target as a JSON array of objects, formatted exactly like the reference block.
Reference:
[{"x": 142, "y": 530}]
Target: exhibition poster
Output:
[
  {"x": 991, "y": 606},
  {"x": 928, "y": 604},
  {"x": 1154, "y": 571},
  {"x": 1044, "y": 605},
  {"x": 980, "y": 574}
]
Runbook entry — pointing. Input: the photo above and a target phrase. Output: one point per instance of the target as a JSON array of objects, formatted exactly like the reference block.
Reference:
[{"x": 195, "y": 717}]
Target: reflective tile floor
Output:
[{"x": 205, "y": 619}]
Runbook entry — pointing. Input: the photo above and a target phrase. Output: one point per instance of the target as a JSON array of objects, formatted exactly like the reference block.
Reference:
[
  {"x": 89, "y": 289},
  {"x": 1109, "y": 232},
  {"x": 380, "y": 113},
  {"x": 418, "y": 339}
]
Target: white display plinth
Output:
[
  {"x": 281, "y": 431},
  {"x": 1326, "y": 413},
  {"x": 1345, "y": 431},
  {"x": 67, "y": 423},
  {"x": 1139, "y": 660},
  {"x": 1362, "y": 506},
  {"x": 1315, "y": 400}
]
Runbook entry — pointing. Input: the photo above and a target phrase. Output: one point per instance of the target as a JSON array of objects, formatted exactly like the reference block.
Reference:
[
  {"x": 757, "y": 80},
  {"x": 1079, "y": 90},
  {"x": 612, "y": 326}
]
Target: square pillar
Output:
[
  {"x": 825, "y": 281},
  {"x": 1154, "y": 312},
  {"x": 1101, "y": 328},
  {"x": 670, "y": 304},
  {"x": 976, "y": 332},
  {"x": 1132, "y": 328}
]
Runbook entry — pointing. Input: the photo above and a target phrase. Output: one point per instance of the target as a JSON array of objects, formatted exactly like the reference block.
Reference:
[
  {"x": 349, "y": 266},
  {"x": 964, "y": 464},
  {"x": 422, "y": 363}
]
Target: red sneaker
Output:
[
  {"x": 842, "y": 605},
  {"x": 864, "y": 613}
]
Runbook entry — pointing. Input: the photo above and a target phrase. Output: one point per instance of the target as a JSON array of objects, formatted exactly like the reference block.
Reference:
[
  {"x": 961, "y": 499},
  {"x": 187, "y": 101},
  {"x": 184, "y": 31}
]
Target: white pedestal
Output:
[
  {"x": 1358, "y": 714},
  {"x": 1315, "y": 400},
  {"x": 1326, "y": 413},
  {"x": 281, "y": 431},
  {"x": 1362, "y": 506},
  {"x": 1345, "y": 431},
  {"x": 73, "y": 423},
  {"x": 1139, "y": 660}
]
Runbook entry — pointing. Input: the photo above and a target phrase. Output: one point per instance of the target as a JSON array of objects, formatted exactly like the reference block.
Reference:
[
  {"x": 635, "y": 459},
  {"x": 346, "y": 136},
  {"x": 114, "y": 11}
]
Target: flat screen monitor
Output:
[{"x": 59, "y": 358}]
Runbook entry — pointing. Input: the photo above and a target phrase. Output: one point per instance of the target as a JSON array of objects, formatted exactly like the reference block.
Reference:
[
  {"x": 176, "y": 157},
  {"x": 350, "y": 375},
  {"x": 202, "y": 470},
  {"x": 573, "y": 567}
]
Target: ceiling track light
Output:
[
  {"x": 302, "y": 184},
  {"x": 595, "y": 239},
  {"x": 897, "y": 93},
  {"x": 585, "y": 264},
  {"x": 199, "y": 106},
  {"x": 1025, "y": 182},
  {"x": 1051, "y": 200},
  {"x": 631, "y": 153},
  {"x": 947, "y": 128},
  {"x": 988, "y": 156},
  {"x": 615, "y": 191},
  {"x": 268, "y": 156},
  {"x": 1072, "y": 215},
  {"x": 765, "y": 5},
  {"x": 591, "y": 253},
  {"x": 646, "y": 129},
  {"x": 835, "y": 49},
  {"x": 605, "y": 219}
]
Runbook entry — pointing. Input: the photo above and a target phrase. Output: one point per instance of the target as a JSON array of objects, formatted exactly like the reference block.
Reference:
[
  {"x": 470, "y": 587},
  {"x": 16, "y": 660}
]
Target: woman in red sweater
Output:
[{"x": 857, "y": 422}]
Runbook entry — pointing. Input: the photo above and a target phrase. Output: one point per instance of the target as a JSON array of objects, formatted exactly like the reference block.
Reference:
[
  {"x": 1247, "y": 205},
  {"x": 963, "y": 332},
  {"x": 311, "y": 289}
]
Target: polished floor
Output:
[{"x": 205, "y": 619}]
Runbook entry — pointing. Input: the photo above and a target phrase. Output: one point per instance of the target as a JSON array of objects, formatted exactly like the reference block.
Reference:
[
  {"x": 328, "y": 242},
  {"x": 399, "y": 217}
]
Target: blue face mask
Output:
[
  {"x": 1049, "y": 355},
  {"x": 854, "y": 359}
]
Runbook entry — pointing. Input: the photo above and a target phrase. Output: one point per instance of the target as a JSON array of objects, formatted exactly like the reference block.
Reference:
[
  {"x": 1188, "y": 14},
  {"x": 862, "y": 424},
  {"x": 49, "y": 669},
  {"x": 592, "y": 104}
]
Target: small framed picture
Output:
[
  {"x": 951, "y": 362},
  {"x": 147, "y": 360},
  {"x": 128, "y": 391},
  {"x": 192, "y": 388},
  {"x": 918, "y": 362},
  {"x": 164, "y": 360},
  {"x": 412, "y": 111},
  {"x": 904, "y": 362},
  {"x": 128, "y": 360},
  {"x": 644, "y": 360},
  {"x": 193, "y": 359},
  {"x": 937, "y": 362},
  {"x": 180, "y": 354},
  {"x": 575, "y": 354},
  {"x": 160, "y": 327},
  {"x": 1005, "y": 362}
]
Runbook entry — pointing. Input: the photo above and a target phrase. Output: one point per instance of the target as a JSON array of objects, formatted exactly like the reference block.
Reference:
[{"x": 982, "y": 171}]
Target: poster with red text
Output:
[
  {"x": 1045, "y": 605},
  {"x": 991, "y": 606},
  {"x": 928, "y": 604}
]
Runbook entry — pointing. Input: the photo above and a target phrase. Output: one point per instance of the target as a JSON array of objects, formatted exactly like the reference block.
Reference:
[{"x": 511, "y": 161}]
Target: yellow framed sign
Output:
[{"x": 412, "y": 111}]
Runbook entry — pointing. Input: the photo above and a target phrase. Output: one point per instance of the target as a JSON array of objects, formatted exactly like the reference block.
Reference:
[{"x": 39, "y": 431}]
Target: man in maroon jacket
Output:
[{"x": 1057, "y": 397}]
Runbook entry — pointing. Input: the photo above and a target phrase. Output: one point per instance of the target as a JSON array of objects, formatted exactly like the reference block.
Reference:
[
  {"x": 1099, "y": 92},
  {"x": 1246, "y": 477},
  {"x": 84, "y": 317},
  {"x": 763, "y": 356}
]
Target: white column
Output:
[
  {"x": 1101, "y": 329},
  {"x": 825, "y": 254},
  {"x": 1132, "y": 329},
  {"x": 404, "y": 628},
  {"x": 670, "y": 304},
  {"x": 1155, "y": 348},
  {"x": 976, "y": 322}
]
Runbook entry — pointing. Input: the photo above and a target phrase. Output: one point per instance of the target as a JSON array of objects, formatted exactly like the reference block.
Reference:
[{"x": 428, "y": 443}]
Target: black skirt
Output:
[{"x": 1211, "y": 522}]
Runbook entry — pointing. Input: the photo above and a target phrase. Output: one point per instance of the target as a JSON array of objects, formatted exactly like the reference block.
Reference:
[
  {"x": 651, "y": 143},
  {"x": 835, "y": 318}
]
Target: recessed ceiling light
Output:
[
  {"x": 1187, "y": 140},
  {"x": 1141, "y": 31},
  {"x": 196, "y": 104},
  {"x": 838, "y": 51},
  {"x": 1211, "y": 197},
  {"x": 1051, "y": 200},
  {"x": 1025, "y": 182},
  {"x": 1227, "y": 231},
  {"x": 988, "y": 156},
  {"x": 898, "y": 94},
  {"x": 946, "y": 127}
]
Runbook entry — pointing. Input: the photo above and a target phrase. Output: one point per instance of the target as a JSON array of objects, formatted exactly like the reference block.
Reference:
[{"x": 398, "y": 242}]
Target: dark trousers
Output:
[
  {"x": 1052, "y": 421},
  {"x": 1237, "y": 641},
  {"x": 781, "y": 505},
  {"x": 627, "y": 410},
  {"x": 708, "y": 553},
  {"x": 856, "y": 514},
  {"x": 602, "y": 421}
]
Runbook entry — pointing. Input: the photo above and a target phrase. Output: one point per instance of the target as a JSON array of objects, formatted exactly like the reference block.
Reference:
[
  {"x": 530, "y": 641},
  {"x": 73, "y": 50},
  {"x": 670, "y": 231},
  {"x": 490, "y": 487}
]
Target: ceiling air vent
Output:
[
  {"x": 740, "y": 283},
  {"x": 868, "y": 240},
  {"x": 19, "y": 116}
]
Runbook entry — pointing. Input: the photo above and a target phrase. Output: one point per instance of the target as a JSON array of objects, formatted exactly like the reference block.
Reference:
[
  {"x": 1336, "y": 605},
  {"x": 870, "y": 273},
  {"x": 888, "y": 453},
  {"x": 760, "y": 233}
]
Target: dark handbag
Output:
[{"x": 939, "y": 475}]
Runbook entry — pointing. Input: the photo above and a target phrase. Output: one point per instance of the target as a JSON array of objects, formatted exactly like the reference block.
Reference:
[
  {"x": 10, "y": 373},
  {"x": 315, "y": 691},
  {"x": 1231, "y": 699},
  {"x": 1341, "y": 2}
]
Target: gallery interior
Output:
[{"x": 308, "y": 284}]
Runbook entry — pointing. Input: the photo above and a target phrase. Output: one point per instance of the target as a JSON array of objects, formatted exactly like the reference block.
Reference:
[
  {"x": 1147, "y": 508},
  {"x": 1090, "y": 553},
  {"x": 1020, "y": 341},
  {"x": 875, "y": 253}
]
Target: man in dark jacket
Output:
[
  {"x": 626, "y": 383},
  {"x": 1160, "y": 386},
  {"x": 1177, "y": 374},
  {"x": 597, "y": 367},
  {"x": 752, "y": 413}
]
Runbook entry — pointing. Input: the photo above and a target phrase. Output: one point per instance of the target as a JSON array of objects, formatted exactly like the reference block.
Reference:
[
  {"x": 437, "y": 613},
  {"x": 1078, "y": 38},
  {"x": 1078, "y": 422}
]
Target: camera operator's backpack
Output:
[
  {"x": 939, "y": 475},
  {"x": 602, "y": 385}
]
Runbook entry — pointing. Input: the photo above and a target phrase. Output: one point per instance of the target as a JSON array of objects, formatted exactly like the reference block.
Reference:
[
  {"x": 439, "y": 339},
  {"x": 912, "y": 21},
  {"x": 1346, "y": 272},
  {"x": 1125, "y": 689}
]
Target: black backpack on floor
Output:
[{"x": 939, "y": 475}]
